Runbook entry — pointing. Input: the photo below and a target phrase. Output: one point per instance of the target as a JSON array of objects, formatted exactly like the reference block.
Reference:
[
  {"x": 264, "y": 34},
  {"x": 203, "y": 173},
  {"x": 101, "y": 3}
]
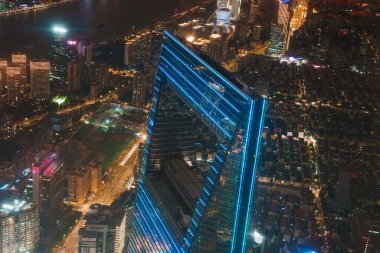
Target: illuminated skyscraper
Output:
[
  {"x": 198, "y": 175},
  {"x": 276, "y": 42},
  {"x": 19, "y": 226},
  {"x": 223, "y": 17},
  {"x": 40, "y": 79},
  {"x": 139, "y": 89},
  {"x": 3, "y": 77},
  {"x": 279, "y": 33},
  {"x": 16, "y": 86},
  {"x": 222, "y": 4},
  {"x": 283, "y": 13},
  {"x": 48, "y": 189},
  {"x": 232, "y": 5},
  {"x": 19, "y": 59},
  {"x": 75, "y": 73},
  {"x": 104, "y": 231}
]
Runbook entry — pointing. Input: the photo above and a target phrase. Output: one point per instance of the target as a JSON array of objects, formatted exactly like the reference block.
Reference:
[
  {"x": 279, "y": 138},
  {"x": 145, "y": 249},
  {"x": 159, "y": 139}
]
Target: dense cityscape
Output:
[{"x": 190, "y": 126}]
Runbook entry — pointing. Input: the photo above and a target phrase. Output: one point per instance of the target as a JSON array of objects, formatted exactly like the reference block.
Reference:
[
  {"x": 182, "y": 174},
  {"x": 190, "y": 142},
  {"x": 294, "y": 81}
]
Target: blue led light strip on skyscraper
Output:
[
  {"x": 242, "y": 172},
  {"x": 198, "y": 91},
  {"x": 257, "y": 151},
  {"x": 168, "y": 234},
  {"x": 195, "y": 103},
  {"x": 214, "y": 99},
  {"x": 207, "y": 65},
  {"x": 201, "y": 78}
]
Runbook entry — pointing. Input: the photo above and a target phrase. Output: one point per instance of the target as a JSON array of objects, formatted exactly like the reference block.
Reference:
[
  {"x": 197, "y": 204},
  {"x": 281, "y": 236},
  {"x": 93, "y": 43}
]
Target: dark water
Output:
[{"x": 34, "y": 28}]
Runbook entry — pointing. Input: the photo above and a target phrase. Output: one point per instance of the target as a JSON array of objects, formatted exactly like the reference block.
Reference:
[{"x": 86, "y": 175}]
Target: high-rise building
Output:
[
  {"x": 76, "y": 73},
  {"x": 19, "y": 59},
  {"x": 235, "y": 8},
  {"x": 283, "y": 13},
  {"x": 3, "y": 77},
  {"x": 284, "y": 19},
  {"x": 78, "y": 186},
  {"x": 276, "y": 42},
  {"x": 98, "y": 78},
  {"x": 19, "y": 226},
  {"x": 150, "y": 73},
  {"x": 223, "y": 18},
  {"x": 218, "y": 47},
  {"x": 222, "y": 4},
  {"x": 245, "y": 22},
  {"x": 233, "y": 5},
  {"x": 48, "y": 189},
  {"x": 89, "y": 54},
  {"x": 104, "y": 230},
  {"x": 16, "y": 86},
  {"x": 360, "y": 230},
  {"x": 40, "y": 79},
  {"x": 203, "y": 117},
  {"x": 138, "y": 48},
  {"x": 96, "y": 178},
  {"x": 139, "y": 89},
  {"x": 256, "y": 33}
]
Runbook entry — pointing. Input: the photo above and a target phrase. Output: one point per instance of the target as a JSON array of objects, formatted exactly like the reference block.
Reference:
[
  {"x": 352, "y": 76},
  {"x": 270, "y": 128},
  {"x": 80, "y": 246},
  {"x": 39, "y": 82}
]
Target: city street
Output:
[{"x": 109, "y": 193}]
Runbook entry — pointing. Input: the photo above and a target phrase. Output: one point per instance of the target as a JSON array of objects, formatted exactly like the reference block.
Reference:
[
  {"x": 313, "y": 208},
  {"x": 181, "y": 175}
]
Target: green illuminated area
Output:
[
  {"x": 103, "y": 135},
  {"x": 59, "y": 100}
]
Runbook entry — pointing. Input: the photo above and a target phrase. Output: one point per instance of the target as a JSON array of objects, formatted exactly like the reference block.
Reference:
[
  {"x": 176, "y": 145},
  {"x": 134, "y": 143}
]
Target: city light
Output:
[
  {"x": 71, "y": 42},
  {"x": 190, "y": 38},
  {"x": 59, "y": 29},
  {"x": 59, "y": 100},
  {"x": 257, "y": 237}
]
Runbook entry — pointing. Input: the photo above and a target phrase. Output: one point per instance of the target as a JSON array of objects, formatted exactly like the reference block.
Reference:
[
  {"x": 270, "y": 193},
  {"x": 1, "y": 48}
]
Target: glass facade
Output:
[{"x": 197, "y": 104}]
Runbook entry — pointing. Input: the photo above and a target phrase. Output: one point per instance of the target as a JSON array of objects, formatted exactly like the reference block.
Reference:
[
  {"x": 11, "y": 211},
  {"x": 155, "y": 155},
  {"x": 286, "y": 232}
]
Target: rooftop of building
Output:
[
  {"x": 104, "y": 215},
  {"x": 52, "y": 169},
  {"x": 208, "y": 62},
  {"x": 48, "y": 165},
  {"x": 11, "y": 206}
]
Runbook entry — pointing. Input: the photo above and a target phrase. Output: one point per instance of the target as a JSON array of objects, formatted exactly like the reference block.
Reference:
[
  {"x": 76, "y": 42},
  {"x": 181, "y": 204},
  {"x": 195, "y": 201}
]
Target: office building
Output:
[
  {"x": 150, "y": 73},
  {"x": 19, "y": 226},
  {"x": 76, "y": 73},
  {"x": 360, "y": 231},
  {"x": 3, "y": 77},
  {"x": 235, "y": 8},
  {"x": 48, "y": 189},
  {"x": 104, "y": 230},
  {"x": 98, "y": 78},
  {"x": 222, "y": 4},
  {"x": 256, "y": 33},
  {"x": 40, "y": 79},
  {"x": 6, "y": 129},
  {"x": 283, "y": 13},
  {"x": 139, "y": 89},
  {"x": 89, "y": 54},
  {"x": 96, "y": 178},
  {"x": 203, "y": 117},
  {"x": 218, "y": 47},
  {"x": 223, "y": 18},
  {"x": 284, "y": 19},
  {"x": 78, "y": 186},
  {"x": 276, "y": 42},
  {"x": 138, "y": 48},
  {"x": 16, "y": 85},
  {"x": 20, "y": 61}
]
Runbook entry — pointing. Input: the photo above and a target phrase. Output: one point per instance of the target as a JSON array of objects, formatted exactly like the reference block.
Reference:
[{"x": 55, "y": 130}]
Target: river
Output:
[{"x": 31, "y": 31}]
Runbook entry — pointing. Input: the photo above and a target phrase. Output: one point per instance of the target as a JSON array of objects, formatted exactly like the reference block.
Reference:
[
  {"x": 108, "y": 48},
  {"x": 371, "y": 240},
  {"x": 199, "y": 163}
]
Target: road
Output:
[
  {"x": 80, "y": 106},
  {"x": 31, "y": 121},
  {"x": 111, "y": 191},
  {"x": 36, "y": 7},
  {"x": 28, "y": 121}
]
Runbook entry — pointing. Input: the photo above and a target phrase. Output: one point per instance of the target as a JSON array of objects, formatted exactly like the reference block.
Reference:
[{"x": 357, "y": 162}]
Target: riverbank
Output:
[{"x": 35, "y": 7}]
